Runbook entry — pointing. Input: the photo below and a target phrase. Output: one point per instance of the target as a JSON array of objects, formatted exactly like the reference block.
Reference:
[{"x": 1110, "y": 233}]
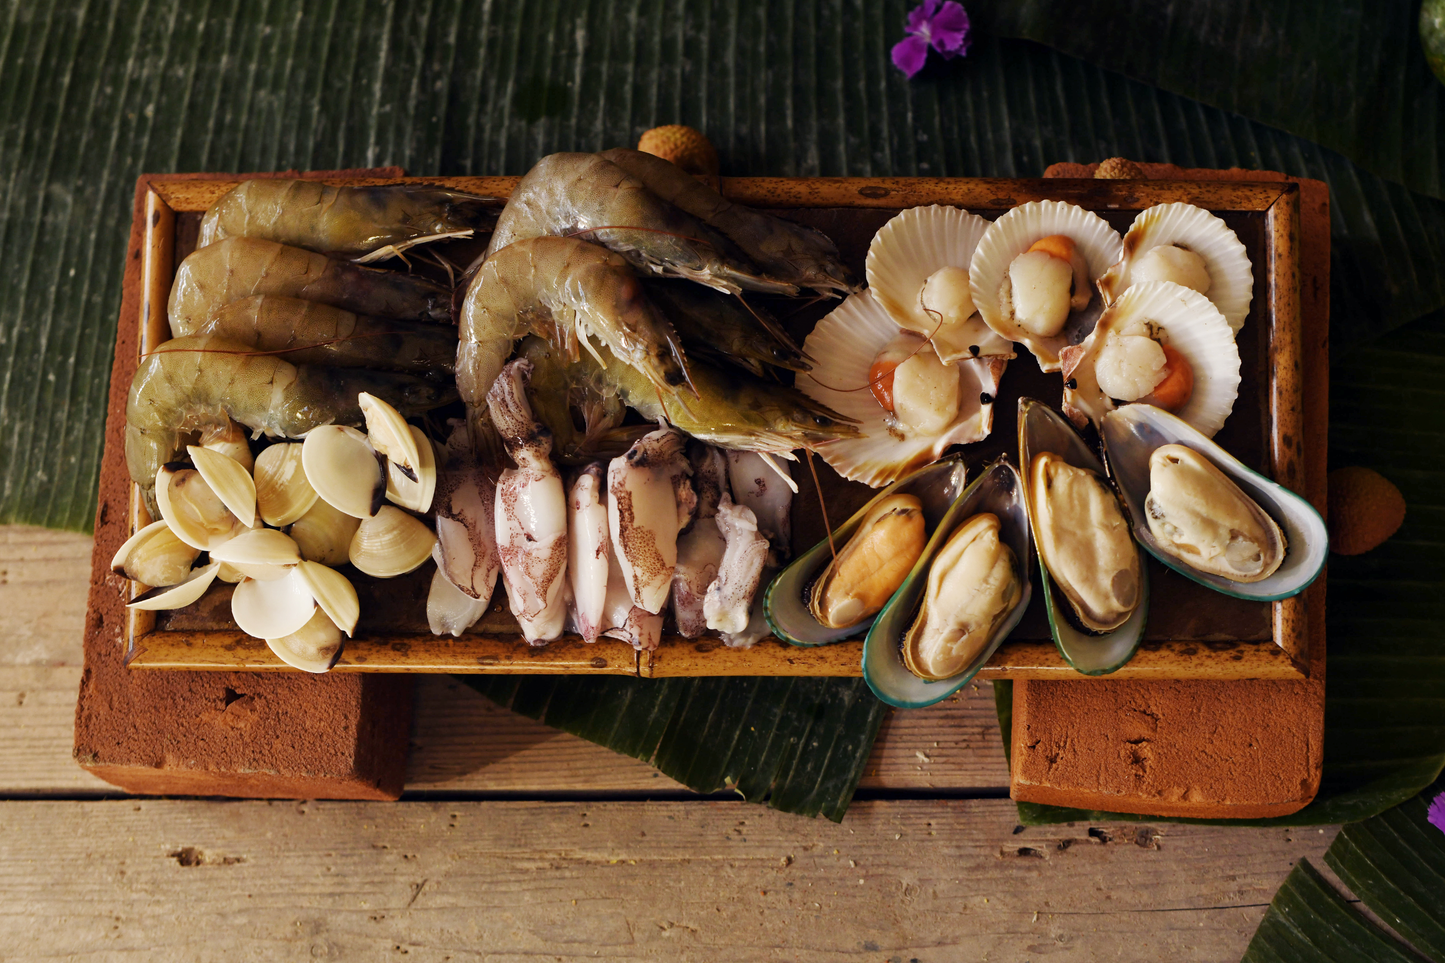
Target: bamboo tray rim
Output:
[{"x": 165, "y": 195}]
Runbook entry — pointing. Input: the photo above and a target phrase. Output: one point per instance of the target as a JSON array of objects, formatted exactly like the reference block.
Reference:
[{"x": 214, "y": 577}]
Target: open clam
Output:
[
  {"x": 1095, "y": 584},
  {"x": 992, "y": 506},
  {"x": 789, "y": 603},
  {"x": 1131, "y": 436}
]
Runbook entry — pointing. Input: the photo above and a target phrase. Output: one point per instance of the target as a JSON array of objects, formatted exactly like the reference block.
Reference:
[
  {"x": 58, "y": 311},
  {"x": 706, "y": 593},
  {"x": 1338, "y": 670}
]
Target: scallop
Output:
[
  {"x": 918, "y": 271},
  {"x": 1133, "y": 436},
  {"x": 790, "y": 601},
  {"x": 1168, "y": 314},
  {"x": 1096, "y": 615},
  {"x": 965, "y": 595},
  {"x": 1024, "y": 287},
  {"x": 947, "y": 404},
  {"x": 1188, "y": 245}
]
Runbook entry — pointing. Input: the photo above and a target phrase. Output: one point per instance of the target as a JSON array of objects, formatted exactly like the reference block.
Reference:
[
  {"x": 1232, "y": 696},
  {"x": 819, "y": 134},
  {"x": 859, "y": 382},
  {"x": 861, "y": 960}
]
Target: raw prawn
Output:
[
  {"x": 531, "y": 512},
  {"x": 587, "y": 195},
  {"x": 309, "y": 332},
  {"x": 239, "y": 267},
  {"x": 731, "y": 410},
  {"x": 189, "y": 384},
  {"x": 564, "y": 290},
  {"x": 786, "y": 250},
  {"x": 723, "y": 327},
  {"x": 561, "y": 391},
  {"x": 346, "y": 220},
  {"x": 648, "y": 502}
]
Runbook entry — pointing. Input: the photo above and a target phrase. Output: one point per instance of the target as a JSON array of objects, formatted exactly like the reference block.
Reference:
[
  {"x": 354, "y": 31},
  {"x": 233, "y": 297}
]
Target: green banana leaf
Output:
[
  {"x": 1385, "y": 610},
  {"x": 1350, "y": 77},
  {"x": 1395, "y": 864},
  {"x": 797, "y": 744}
]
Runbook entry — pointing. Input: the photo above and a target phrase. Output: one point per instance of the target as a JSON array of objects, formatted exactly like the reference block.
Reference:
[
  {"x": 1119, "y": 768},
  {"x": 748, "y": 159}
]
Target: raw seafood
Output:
[{"x": 649, "y": 503}]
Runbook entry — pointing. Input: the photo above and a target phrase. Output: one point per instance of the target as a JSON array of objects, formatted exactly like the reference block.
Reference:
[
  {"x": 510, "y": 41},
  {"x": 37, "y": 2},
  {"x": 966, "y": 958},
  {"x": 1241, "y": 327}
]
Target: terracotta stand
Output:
[{"x": 1240, "y": 749}]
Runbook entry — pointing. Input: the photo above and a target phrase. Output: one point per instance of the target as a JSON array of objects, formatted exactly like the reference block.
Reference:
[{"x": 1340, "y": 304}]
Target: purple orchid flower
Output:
[
  {"x": 1436, "y": 813},
  {"x": 940, "y": 24}
]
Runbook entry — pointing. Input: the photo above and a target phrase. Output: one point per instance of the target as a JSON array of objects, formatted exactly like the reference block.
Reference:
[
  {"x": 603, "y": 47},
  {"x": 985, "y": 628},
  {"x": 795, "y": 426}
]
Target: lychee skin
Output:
[{"x": 1365, "y": 509}]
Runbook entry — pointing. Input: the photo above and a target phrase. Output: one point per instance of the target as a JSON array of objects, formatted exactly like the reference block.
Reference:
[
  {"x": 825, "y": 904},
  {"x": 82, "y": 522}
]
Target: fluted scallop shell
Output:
[
  {"x": 845, "y": 344},
  {"x": 910, "y": 248},
  {"x": 1010, "y": 236},
  {"x": 1225, "y": 258},
  {"x": 1188, "y": 323}
]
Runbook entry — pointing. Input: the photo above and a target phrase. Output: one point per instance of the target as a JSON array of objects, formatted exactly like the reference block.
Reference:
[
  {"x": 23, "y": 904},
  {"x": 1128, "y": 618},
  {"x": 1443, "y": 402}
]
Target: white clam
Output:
[
  {"x": 229, "y": 479},
  {"x": 324, "y": 533},
  {"x": 1011, "y": 236},
  {"x": 283, "y": 494},
  {"x": 229, "y": 439},
  {"x": 1168, "y": 228},
  {"x": 154, "y": 556},
  {"x": 315, "y": 647},
  {"x": 179, "y": 595},
  {"x": 390, "y": 543},
  {"x": 1132, "y": 434},
  {"x": 389, "y": 434},
  {"x": 261, "y": 553},
  {"x": 344, "y": 469},
  {"x": 333, "y": 592},
  {"x": 272, "y": 609},
  {"x": 413, "y": 487},
  {"x": 192, "y": 510},
  {"x": 847, "y": 342}
]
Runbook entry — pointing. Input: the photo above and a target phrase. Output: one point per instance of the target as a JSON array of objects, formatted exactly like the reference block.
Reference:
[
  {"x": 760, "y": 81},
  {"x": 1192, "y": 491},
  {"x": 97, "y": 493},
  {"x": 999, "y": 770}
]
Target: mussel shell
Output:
[
  {"x": 999, "y": 490},
  {"x": 1041, "y": 428},
  {"x": 785, "y": 603},
  {"x": 1132, "y": 433}
]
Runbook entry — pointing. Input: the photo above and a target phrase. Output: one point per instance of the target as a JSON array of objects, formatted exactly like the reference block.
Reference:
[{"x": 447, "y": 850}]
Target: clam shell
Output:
[
  {"x": 998, "y": 490},
  {"x": 192, "y": 510},
  {"x": 324, "y": 534},
  {"x": 282, "y": 492},
  {"x": 1225, "y": 258},
  {"x": 1190, "y": 324},
  {"x": 388, "y": 432},
  {"x": 1132, "y": 433},
  {"x": 1043, "y": 429},
  {"x": 1010, "y": 236},
  {"x": 344, "y": 469},
  {"x": 179, "y": 595},
  {"x": 845, "y": 344},
  {"x": 315, "y": 647},
  {"x": 229, "y": 479},
  {"x": 391, "y": 543},
  {"x": 272, "y": 609},
  {"x": 415, "y": 493},
  {"x": 785, "y": 603},
  {"x": 906, "y": 251},
  {"x": 334, "y": 593},
  {"x": 154, "y": 556},
  {"x": 229, "y": 439}
]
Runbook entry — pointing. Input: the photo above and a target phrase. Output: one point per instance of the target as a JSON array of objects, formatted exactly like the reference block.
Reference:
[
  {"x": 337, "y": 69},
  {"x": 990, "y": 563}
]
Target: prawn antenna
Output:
[{"x": 822, "y": 504}]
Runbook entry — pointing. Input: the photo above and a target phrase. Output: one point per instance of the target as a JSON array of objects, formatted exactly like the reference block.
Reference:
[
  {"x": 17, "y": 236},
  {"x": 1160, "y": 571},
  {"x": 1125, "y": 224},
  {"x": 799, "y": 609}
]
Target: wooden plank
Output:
[
  {"x": 162, "y": 879},
  {"x": 43, "y": 580}
]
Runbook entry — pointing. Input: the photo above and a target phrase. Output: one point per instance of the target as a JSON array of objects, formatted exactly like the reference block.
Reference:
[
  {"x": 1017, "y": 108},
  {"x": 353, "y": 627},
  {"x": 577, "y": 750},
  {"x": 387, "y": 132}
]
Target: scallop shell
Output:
[
  {"x": 1225, "y": 258},
  {"x": 1132, "y": 433},
  {"x": 1010, "y": 236},
  {"x": 785, "y": 603},
  {"x": 1041, "y": 428},
  {"x": 999, "y": 490},
  {"x": 845, "y": 344},
  {"x": 1191, "y": 325},
  {"x": 910, "y": 248}
]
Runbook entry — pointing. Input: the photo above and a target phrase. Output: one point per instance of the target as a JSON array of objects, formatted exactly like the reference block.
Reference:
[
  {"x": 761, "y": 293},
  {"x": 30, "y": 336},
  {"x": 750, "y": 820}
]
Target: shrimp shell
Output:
[
  {"x": 309, "y": 332},
  {"x": 238, "y": 267},
  {"x": 786, "y": 250},
  {"x": 569, "y": 194},
  {"x": 344, "y": 220}
]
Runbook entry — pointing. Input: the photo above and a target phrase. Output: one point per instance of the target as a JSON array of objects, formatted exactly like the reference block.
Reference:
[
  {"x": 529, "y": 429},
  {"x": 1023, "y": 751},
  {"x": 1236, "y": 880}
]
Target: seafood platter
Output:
[{"x": 609, "y": 417}]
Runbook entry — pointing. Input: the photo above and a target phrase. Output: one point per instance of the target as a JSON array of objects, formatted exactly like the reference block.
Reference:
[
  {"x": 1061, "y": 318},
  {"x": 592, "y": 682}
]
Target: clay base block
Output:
[
  {"x": 218, "y": 734},
  {"x": 1209, "y": 750}
]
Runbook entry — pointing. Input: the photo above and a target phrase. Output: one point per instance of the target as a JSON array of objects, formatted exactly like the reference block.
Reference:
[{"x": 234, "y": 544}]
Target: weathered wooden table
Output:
[{"x": 515, "y": 841}]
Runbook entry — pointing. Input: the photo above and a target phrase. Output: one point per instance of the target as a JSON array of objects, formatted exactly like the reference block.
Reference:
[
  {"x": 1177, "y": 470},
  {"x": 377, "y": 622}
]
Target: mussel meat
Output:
[{"x": 869, "y": 568}]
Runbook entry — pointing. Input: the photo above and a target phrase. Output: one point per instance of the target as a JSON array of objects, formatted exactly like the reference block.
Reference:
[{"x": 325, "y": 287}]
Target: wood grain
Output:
[{"x": 931, "y": 880}]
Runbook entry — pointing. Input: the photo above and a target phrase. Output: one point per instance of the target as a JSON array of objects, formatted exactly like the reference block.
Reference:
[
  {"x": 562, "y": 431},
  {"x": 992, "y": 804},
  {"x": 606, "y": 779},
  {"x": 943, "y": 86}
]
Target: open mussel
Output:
[
  {"x": 961, "y": 600},
  {"x": 1096, "y": 588},
  {"x": 1201, "y": 512},
  {"x": 820, "y": 599}
]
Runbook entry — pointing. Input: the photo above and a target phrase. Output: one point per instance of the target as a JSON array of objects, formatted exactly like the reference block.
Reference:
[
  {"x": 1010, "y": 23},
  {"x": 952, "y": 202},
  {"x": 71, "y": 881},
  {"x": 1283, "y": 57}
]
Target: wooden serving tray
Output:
[{"x": 1193, "y": 633}]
